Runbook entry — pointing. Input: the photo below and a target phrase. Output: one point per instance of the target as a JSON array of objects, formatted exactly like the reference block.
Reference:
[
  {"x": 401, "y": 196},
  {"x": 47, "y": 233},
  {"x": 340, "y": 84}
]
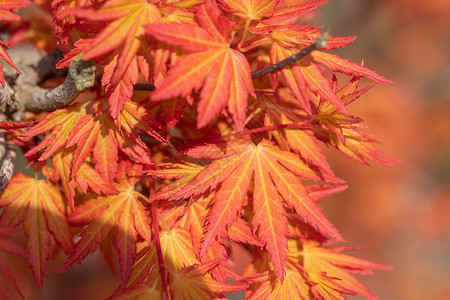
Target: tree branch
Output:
[
  {"x": 321, "y": 42},
  {"x": 7, "y": 169},
  {"x": 22, "y": 92},
  {"x": 81, "y": 76},
  {"x": 35, "y": 67}
]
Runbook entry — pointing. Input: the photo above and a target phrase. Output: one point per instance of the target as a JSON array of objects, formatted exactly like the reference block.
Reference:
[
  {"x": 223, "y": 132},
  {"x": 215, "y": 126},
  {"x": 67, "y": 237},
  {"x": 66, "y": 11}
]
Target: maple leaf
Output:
[
  {"x": 337, "y": 64},
  {"x": 185, "y": 270},
  {"x": 8, "y": 282},
  {"x": 39, "y": 205},
  {"x": 329, "y": 270},
  {"x": 102, "y": 136},
  {"x": 120, "y": 46},
  {"x": 222, "y": 72},
  {"x": 191, "y": 282},
  {"x": 302, "y": 75},
  {"x": 264, "y": 285},
  {"x": 278, "y": 176},
  {"x": 184, "y": 214},
  {"x": 113, "y": 134},
  {"x": 97, "y": 134},
  {"x": 344, "y": 131},
  {"x": 85, "y": 177},
  {"x": 6, "y": 14},
  {"x": 7, "y": 6},
  {"x": 4, "y": 55},
  {"x": 61, "y": 122},
  {"x": 251, "y": 10},
  {"x": 192, "y": 215},
  {"x": 292, "y": 13},
  {"x": 177, "y": 252},
  {"x": 312, "y": 270},
  {"x": 122, "y": 212},
  {"x": 124, "y": 31},
  {"x": 284, "y": 111}
]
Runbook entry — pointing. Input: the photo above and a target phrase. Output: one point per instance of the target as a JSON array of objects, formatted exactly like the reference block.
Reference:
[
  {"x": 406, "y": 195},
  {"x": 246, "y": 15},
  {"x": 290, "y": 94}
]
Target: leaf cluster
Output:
[{"x": 181, "y": 151}]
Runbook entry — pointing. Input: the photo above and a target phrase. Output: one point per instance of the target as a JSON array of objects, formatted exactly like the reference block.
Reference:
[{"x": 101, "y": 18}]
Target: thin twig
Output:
[
  {"x": 305, "y": 125},
  {"x": 321, "y": 42},
  {"x": 162, "y": 268},
  {"x": 144, "y": 87}
]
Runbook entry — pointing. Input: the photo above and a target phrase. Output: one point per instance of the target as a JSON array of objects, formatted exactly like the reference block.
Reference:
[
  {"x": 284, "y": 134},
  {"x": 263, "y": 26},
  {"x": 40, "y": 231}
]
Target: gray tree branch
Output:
[
  {"x": 7, "y": 169},
  {"x": 23, "y": 93},
  {"x": 35, "y": 67},
  {"x": 81, "y": 76}
]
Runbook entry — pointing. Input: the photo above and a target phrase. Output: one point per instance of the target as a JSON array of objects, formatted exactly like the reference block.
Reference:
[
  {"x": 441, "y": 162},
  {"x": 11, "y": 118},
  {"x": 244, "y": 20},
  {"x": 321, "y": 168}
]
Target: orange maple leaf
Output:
[
  {"x": 125, "y": 30},
  {"x": 278, "y": 179},
  {"x": 292, "y": 13},
  {"x": 285, "y": 111},
  {"x": 222, "y": 72},
  {"x": 120, "y": 46},
  {"x": 177, "y": 252},
  {"x": 329, "y": 270},
  {"x": 7, "y": 6},
  {"x": 6, "y": 14},
  {"x": 97, "y": 134},
  {"x": 8, "y": 282},
  {"x": 303, "y": 75},
  {"x": 39, "y": 205},
  {"x": 251, "y": 10},
  {"x": 122, "y": 212},
  {"x": 264, "y": 285},
  {"x": 85, "y": 177},
  {"x": 4, "y": 55},
  {"x": 191, "y": 282},
  {"x": 344, "y": 131},
  {"x": 185, "y": 270},
  {"x": 60, "y": 122},
  {"x": 192, "y": 215}
]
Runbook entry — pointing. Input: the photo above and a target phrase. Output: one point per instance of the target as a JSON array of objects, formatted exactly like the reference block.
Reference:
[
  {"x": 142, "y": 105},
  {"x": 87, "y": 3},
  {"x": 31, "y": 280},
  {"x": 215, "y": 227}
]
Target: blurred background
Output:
[{"x": 400, "y": 215}]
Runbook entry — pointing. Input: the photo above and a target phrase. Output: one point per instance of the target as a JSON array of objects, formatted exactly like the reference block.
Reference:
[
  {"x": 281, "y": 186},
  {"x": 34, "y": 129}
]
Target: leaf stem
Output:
[
  {"x": 162, "y": 268},
  {"x": 320, "y": 42},
  {"x": 244, "y": 35},
  {"x": 144, "y": 87}
]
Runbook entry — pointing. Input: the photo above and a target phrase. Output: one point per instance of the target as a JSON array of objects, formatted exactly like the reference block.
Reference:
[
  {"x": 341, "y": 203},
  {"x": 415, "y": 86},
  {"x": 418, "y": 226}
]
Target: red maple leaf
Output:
[{"x": 222, "y": 72}]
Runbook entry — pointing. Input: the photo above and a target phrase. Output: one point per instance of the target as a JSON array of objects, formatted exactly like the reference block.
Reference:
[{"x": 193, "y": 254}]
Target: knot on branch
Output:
[{"x": 83, "y": 73}]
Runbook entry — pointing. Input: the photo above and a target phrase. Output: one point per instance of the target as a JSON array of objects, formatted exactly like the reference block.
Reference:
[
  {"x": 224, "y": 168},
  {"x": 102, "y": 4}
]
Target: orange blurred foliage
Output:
[{"x": 401, "y": 213}]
